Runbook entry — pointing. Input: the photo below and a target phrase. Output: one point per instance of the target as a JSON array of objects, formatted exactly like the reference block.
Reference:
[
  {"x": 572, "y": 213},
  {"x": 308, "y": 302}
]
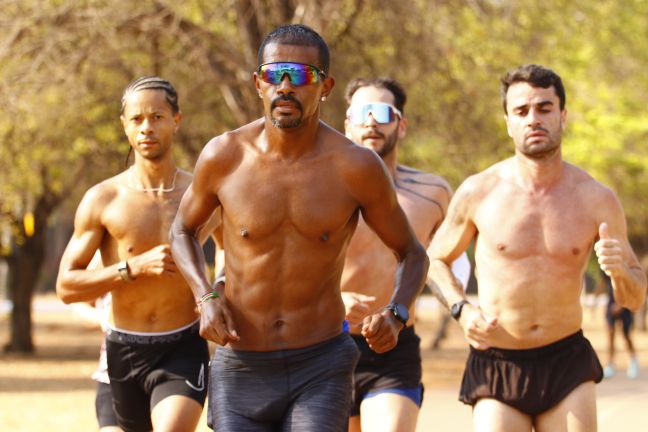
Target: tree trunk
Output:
[{"x": 24, "y": 267}]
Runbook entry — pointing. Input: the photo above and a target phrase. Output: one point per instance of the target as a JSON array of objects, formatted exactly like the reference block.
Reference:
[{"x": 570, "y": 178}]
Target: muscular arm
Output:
[
  {"x": 195, "y": 211},
  {"x": 383, "y": 214},
  {"x": 616, "y": 257},
  {"x": 451, "y": 240},
  {"x": 196, "y": 208},
  {"x": 76, "y": 283}
]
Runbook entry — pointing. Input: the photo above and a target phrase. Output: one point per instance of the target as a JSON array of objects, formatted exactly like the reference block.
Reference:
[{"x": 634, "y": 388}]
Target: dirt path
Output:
[{"x": 52, "y": 391}]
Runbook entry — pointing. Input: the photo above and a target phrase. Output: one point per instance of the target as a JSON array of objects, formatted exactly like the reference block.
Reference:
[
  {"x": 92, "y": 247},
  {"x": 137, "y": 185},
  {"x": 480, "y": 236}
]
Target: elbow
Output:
[{"x": 64, "y": 293}]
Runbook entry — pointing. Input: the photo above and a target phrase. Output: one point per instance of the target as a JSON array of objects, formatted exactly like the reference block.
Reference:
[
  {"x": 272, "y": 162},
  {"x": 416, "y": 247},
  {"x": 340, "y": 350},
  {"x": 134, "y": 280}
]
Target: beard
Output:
[
  {"x": 286, "y": 123},
  {"x": 389, "y": 142},
  {"x": 541, "y": 150}
]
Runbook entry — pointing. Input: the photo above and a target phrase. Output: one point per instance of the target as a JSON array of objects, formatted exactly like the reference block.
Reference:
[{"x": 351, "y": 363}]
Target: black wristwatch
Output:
[
  {"x": 455, "y": 309},
  {"x": 400, "y": 312}
]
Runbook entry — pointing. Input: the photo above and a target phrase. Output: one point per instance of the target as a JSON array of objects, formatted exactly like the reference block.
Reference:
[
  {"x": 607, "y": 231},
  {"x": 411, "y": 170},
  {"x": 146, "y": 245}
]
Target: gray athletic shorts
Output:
[{"x": 306, "y": 389}]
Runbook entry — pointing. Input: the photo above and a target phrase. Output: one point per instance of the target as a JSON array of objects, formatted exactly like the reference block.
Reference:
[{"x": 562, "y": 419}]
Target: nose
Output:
[
  {"x": 146, "y": 127},
  {"x": 532, "y": 117},
  {"x": 285, "y": 86}
]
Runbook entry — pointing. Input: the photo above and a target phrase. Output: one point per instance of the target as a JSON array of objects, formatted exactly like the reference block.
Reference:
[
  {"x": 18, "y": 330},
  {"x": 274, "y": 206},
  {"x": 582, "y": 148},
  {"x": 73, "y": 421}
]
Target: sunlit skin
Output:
[
  {"x": 290, "y": 197},
  {"x": 534, "y": 218},
  {"x": 367, "y": 279},
  {"x": 123, "y": 222}
]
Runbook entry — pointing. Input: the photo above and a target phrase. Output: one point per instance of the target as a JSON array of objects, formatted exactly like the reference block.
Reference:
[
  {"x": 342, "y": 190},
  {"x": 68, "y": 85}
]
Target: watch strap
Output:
[{"x": 124, "y": 271}]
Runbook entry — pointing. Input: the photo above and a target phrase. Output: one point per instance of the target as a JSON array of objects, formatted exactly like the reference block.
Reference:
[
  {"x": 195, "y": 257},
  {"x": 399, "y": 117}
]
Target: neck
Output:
[
  {"x": 153, "y": 174},
  {"x": 391, "y": 161},
  {"x": 291, "y": 142},
  {"x": 539, "y": 174}
]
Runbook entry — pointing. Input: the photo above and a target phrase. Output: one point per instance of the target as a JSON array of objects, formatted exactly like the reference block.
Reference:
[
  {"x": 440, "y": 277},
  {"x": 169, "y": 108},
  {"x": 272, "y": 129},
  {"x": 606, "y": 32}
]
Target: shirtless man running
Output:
[
  {"x": 535, "y": 218},
  {"x": 291, "y": 189},
  {"x": 157, "y": 360},
  {"x": 387, "y": 387}
]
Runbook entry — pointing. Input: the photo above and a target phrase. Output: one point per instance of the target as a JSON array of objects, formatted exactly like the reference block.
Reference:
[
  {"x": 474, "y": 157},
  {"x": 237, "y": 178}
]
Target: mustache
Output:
[
  {"x": 373, "y": 132},
  {"x": 285, "y": 98}
]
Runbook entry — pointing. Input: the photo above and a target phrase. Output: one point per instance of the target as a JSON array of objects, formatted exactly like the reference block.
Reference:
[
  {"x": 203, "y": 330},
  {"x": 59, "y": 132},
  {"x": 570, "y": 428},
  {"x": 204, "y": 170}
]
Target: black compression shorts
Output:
[{"x": 144, "y": 369}]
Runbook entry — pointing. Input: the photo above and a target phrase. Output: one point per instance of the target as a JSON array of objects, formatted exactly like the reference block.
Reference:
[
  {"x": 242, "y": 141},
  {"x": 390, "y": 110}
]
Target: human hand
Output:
[
  {"x": 156, "y": 262},
  {"x": 609, "y": 252},
  {"x": 477, "y": 326},
  {"x": 216, "y": 323},
  {"x": 357, "y": 306},
  {"x": 381, "y": 331}
]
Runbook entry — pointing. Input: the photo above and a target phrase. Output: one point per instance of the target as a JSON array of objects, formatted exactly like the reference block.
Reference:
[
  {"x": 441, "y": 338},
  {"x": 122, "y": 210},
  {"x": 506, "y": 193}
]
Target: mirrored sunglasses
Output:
[
  {"x": 298, "y": 73},
  {"x": 382, "y": 113}
]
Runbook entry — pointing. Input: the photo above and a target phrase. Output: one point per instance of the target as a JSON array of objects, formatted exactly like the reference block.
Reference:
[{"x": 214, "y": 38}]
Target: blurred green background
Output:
[{"x": 64, "y": 65}]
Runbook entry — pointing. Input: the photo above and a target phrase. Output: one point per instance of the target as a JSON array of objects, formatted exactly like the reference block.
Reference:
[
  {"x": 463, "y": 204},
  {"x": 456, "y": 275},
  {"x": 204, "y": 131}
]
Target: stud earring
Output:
[{"x": 323, "y": 98}]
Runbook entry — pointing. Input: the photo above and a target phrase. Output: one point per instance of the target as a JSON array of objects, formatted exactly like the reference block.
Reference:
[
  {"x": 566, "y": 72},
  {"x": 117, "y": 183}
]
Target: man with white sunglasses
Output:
[
  {"x": 291, "y": 190},
  {"x": 387, "y": 390}
]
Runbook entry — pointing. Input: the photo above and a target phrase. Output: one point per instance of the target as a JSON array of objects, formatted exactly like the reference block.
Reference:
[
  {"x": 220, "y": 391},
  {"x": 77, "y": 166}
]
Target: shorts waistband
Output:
[
  {"x": 405, "y": 334},
  {"x": 532, "y": 353},
  {"x": 120, "y": 336},
  {"x": 311, "y": 350}
]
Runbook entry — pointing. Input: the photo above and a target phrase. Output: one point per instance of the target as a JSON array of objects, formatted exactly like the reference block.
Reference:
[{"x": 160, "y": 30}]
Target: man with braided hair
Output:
[{"x": 157, "y": 361}]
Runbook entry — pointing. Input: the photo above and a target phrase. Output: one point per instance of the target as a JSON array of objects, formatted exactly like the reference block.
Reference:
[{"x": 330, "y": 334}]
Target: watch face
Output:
[
  {"x": 401, "y": 311},
  {"x": 455, "y": 310}
]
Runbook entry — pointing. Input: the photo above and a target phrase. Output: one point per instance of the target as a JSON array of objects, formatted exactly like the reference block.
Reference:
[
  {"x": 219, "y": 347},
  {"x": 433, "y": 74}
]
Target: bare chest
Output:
[
  {"x": 520, "y": 226},
  {"x": 139, "y": 220},
  {"x": 310, "y": 198}
]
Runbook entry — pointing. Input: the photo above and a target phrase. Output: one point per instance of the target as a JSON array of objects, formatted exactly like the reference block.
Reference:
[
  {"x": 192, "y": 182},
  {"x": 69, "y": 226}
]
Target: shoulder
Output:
[
  {"x": 224, "y": 151},
  {"x": 479, "y": 184},
  {"x": 99, "y": 196},
  {"x": 425, "y": 180},
  {"x": 598, "y": 195},
  {"x": 347, "y": 156}
]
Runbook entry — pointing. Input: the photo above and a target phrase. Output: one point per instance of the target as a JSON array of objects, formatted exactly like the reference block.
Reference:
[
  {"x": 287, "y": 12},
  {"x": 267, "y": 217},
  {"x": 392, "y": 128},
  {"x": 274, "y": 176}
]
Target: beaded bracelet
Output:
[{"x": 206, "y": 297}]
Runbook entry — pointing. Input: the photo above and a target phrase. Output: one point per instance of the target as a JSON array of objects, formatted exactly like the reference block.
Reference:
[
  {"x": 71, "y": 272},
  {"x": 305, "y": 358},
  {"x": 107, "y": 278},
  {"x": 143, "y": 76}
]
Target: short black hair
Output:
[
  {"x": 297, "y": 34},
  {"x": 535, "y": 76},
  {"x": 390, "y": 84},
  {"x": 152, "y": 83}
]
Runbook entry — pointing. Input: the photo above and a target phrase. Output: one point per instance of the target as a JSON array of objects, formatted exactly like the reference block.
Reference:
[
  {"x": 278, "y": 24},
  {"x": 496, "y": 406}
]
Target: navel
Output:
[
  {"x": 279, "y": 324},
  {"x": 130, "y": 249},
  {"x": 244, "y": 233},
  {"x": 324, "y": 237}
]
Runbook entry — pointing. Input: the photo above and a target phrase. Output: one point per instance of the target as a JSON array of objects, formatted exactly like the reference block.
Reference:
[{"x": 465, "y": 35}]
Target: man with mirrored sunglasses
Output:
[
  {"x": 291, "y": 190},
  {"x": 387, "y": 390}
]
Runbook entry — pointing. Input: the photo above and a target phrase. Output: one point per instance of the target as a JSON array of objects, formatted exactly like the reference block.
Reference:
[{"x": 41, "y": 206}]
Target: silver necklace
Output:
[{"x": 157, "y": 189}]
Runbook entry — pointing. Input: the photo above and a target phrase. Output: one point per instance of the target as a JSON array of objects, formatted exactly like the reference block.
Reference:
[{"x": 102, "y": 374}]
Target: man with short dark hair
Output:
[
  {"x": 156, "y": 358},
  {"x": 535, "y": 217},
  {"x": 291, "y": 189},
  {"x": 387, "y": 390}
]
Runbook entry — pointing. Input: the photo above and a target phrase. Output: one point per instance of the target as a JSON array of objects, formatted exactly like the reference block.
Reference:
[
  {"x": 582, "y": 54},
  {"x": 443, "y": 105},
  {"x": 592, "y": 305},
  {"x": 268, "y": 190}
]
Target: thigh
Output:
[
  {"x": 490, "y": 415},
  {"x": 354, "y": 424},
  {"x": 388, "y": 412},
  {"x": 130, "y": 401},
  {"x": 322, "y": 390},
  {"x": 324, "y": 407},
  {"x": 575, "y": 413},
  {"x": 175, "y": 413}
]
